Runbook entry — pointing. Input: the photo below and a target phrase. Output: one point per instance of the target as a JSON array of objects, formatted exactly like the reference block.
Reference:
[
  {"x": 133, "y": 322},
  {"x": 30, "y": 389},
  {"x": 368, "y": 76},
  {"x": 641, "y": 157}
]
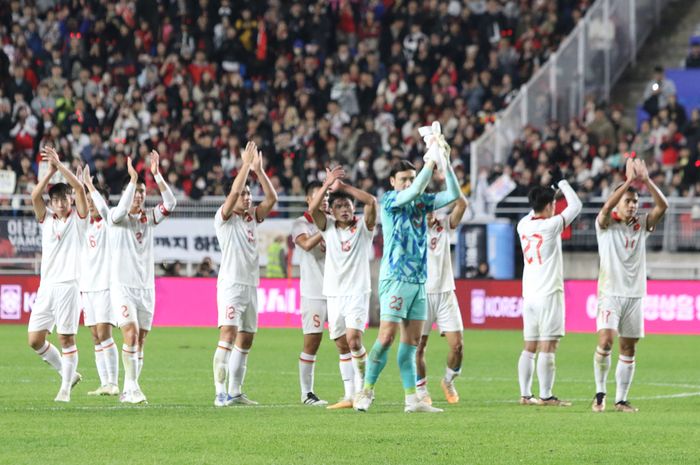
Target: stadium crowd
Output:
[{"x": 314, "y": 83}]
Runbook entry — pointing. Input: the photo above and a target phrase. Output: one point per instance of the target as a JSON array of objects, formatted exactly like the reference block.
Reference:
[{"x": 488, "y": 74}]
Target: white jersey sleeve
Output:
[
  {"x": 238, "y": 241},
  {"x": 61, "y": 246},
  {"x": 540, "y": 240},
  {"x": 440, "y": 275},
  {"x": 311, "y": 263},
  {"x": 348, "y": 250},
  {"x": 622, "y": 251}
]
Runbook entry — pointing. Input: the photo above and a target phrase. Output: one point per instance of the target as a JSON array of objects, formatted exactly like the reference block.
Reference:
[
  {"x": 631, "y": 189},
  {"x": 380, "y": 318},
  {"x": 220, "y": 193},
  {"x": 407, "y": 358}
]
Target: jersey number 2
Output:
[{"x": 527, "y": 253}]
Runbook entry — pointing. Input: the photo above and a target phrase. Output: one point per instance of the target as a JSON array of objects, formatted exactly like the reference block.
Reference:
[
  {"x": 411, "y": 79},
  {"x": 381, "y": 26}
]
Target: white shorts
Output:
[
  {"x": 347, "y": 312},
  {"x": 133, "y": 305},
  {"x": 314, "y": 313},
  {"x": 544, "y": 317},
  {"x": 443, "y": 310},
  {"x": 56, "y": 305},
  {"x": 238, "y": 306},
  {"x": 621, "y": 314},
  {"x": 97, "y": 308}
]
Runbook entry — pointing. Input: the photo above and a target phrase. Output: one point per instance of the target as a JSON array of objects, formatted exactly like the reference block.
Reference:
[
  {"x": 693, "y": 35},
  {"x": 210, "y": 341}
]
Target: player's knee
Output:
[
  {"x": 66, "y": 340},
  {"x": 36, "y": 341},
  {"x": 385, "y": 339}
]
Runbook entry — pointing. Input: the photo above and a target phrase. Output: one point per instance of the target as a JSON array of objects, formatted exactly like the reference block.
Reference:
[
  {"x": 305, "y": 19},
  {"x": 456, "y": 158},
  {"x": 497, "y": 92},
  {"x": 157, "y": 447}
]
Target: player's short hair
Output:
[
  {"x": 401, "y": 165},
  {"x": 127, "y": 180},
  {"x": 340, "y": 195},
  {"x": 311, "y": 186},
  {"x": 60, "y": 189},
  {"x": 539, "y": 197},
  {"x": 630, "y": 189}
]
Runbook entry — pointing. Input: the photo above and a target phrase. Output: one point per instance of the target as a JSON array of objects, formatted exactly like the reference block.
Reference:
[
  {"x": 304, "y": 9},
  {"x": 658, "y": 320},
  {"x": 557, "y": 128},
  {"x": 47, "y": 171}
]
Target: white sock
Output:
[
  {"x": 50, "y": 354},
  {"x": 359, "y": 362},
  {"x": 221, "y": 358},
  {"x": 623, "y": 377},
  {"x": 526, "y": 366},
  {"x": 100, "y": 364},
  {"x": 139, "y": 364},
  {"x": 451, "y": 374},
  {"x": 411, "y": 398},
  {"x": 601, "y": 368},
  {"x": 422, "y": 386},
  {"x": 306, "y": 373},
  {"x": 111, "y": 357},
  {"x": 347, "y": 374},
  {"x": 546, "y": 368},
  {"x": 130, "y": 359},
  {"x": 69, "y": 364},
  {"x": 237, "y": 368}
]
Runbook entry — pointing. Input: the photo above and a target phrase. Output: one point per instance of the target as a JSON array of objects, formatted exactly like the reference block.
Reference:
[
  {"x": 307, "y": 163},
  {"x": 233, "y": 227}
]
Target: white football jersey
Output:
[
  {"x": 238, "y": 241},
  {"x": 95, "y": 259},
  {"x": 131, "y": 242},
  {"x": 311, "y": 263},
  {"x": 440, "y": 275},
  {"x": 623, "y": 257},
  {"x": 61, "y": 243},
  {"x": 348, "y": 252},
  {"x": 540, "y": 239}
]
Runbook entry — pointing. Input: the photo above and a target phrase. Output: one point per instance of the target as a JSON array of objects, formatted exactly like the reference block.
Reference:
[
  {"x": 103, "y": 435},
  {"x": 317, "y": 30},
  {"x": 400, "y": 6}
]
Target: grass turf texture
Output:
[{"x": 181, "y": 426}]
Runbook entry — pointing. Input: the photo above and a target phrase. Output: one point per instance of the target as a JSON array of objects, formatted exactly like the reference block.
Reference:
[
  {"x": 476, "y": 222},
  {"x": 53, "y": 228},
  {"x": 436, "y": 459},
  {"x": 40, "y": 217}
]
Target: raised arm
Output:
[
  {"x": 38, "y": 194},
  {"x": 418, "y": 186},
  {"x": 458, "y": 211},
  {"x": 169, "y": 201},
  {"x": 308, "y": 242},
  {"x": 605, "y": 212},
  {"x": 239, "y": 181},
  {"x": 369, "y": 201},
  {"x": 49, "y": 154},
  {"x": 100, "y": 203},
  {"x": 315, "y": 205},
  {"x": 451, "y": 192},
  {"x": 573, "y": 203},
  {"x": 270, "y": 199},
  {"x": 119, "y": 212},
  {"x": 660, "y": 202}
]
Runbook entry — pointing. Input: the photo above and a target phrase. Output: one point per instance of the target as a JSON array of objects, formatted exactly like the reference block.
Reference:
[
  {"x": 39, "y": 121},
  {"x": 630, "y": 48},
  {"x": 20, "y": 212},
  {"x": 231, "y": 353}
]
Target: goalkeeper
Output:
[{"x": 403, "y": 271}]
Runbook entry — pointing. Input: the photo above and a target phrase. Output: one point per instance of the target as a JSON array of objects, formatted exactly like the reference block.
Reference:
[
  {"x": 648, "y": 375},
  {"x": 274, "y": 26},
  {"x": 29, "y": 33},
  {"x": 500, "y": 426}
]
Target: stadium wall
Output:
[{"x": 671, "y": 307}]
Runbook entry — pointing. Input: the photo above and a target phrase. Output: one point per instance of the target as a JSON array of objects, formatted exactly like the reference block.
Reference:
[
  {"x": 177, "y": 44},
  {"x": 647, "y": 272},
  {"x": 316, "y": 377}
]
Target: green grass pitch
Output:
[{"x": 181, "y": 426}]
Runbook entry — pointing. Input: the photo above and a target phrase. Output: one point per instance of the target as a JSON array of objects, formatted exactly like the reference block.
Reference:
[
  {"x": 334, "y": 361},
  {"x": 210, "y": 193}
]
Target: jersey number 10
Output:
[{"x": 529, "y": 254}]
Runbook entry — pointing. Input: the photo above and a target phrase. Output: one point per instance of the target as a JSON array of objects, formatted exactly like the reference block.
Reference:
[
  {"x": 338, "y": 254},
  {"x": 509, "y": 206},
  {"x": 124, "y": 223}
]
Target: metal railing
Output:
[{"x": 586, "y": 64}]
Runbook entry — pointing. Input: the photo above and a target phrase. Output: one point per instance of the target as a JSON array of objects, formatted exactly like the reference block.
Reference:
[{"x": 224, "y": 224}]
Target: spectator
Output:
[
  {"x": 205, "y": 269},
  {"x": 693, "y": 58},
  {"x": 657, "y": 91}
]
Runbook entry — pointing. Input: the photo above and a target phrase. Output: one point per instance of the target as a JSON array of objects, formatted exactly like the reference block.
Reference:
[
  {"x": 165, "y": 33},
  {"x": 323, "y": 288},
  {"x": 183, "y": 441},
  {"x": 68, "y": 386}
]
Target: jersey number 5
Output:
[{"x": 529, "y": 254}]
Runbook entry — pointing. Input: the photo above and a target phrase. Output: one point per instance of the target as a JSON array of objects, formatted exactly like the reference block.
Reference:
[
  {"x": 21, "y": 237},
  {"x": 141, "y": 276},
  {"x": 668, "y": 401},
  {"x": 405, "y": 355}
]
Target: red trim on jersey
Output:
[
  {"x": 538, "y": 218},
  {"x": 223, "y": 217},
  {"x": 82, "y": 217},
  {"x": 308, "y": 217}
]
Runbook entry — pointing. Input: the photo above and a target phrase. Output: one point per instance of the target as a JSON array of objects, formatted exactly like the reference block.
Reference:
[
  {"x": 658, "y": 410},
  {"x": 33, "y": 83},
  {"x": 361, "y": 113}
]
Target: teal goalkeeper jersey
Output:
[{"x": 405, "y": 232}]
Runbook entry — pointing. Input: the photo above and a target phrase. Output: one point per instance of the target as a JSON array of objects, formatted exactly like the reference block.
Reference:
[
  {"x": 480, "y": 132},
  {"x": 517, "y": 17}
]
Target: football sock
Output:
[
  {"x": 451, "y": 374},
  {"x": 359, "y": 362},
  {"x": 69, "y": 364},
  {"x": 130, "y": 359},
  {"x": 601, "y": 368},
  {"x": 375, "y": 364},
  {"x": 50, "y": 354},
  {"x": 139, "y": 364},
  {"x": 306, "y": 373},
  {"x": 237, "y": 369},
  {"x": 111, "y": 357},
  {"x": 422, "y": 386},
  {"x": 100, "y": 364},
  {"x": 526, "y": 367},
  {"x": 407, "y": 367},
  {"x": 221, "y": 356},
  {"x": 347, "y": 373},
  {"x": 546, "y": 369},
  {"x": 623, "y": 377}
]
